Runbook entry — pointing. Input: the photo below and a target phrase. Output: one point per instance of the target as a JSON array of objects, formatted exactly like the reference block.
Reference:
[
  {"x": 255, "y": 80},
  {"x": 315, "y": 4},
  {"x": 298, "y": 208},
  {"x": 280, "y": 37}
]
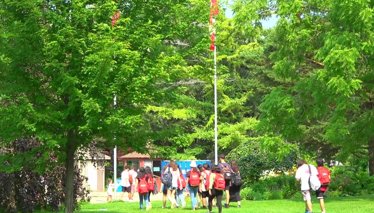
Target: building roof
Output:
[{"x": 136, "y": 155}]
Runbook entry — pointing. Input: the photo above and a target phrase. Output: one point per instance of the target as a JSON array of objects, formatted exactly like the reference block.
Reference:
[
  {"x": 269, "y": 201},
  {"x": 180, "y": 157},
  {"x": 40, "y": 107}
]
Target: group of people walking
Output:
[{"x": 205, "y": 185}]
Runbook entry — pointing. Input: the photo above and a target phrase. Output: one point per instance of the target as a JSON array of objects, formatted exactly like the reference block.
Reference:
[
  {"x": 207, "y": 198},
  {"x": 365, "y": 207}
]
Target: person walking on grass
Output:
[
  {"x": 149, "y": 173},
  {"x": 199, "y": 192},
  {"x": 164, "y": 188},
  {"x": 302, "y": 174},
  {"x": 216, "y": 188},
  {"x": 226, "y": 172},
  {"x": 205, "y": 184},
  {"x": 173, "y": 168},
  {"x": 235, "y": 184},
  {"x": 142, "y": 186},
  {"x": 132, "y": 178},
  {"x": 110, "y": 190},
  {"x": 181, "y": 186},
  {"x": 193, "y": 180},
  {"x": 324, "y": 178},
  {"x": 125, "y": 183}
]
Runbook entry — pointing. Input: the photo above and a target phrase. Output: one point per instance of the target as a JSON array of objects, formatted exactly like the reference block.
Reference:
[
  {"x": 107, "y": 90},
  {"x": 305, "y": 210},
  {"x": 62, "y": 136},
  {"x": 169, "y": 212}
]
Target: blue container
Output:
[
  {"x": 119, "y": 187},
  {"x": 185, "y": 165}
]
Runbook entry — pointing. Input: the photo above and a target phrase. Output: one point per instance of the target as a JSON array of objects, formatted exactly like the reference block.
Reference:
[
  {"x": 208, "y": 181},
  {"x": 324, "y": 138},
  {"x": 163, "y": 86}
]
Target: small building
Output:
[
  {"x": 142, "y": 160},
  {"x": 94, "y": 170}
]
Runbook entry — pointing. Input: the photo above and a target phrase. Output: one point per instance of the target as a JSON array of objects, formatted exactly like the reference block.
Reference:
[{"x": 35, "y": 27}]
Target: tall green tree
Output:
[
  {"x": 324, "y": 50},
  {"x": 62, "y": 63}
]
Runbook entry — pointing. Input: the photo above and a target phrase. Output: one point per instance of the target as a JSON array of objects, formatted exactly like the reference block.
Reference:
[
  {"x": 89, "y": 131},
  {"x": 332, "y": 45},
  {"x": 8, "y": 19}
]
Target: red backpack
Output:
[
  {"x": 151, "y": 183},
  {"x": 219, "y": 182},
  {"x": 207, "y": 179},
  {"x": 323, "y": 175},
  {"x": 194, "y": 178},
  {"x": 181, "y": 181},
  {"x": 142, "y": 186}
]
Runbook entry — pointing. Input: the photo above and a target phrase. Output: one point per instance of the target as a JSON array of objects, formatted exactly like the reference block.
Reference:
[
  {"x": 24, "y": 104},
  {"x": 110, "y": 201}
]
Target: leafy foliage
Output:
[{"x": 25, "y": 190}]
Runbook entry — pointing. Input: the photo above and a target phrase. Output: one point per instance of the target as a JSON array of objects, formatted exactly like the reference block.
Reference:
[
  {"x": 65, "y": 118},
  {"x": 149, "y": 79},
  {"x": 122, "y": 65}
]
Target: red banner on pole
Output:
[{"x": 213, "y": 13}]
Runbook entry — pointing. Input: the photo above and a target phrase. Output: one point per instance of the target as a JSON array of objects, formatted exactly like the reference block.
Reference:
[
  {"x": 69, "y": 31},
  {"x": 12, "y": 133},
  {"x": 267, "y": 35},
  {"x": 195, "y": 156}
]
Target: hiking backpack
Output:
[
  {"x": 219, "y": 182},
  {"x": 226, "y": 171},
  {"x": 194, "y": 178},
  {"x": 167, "y": 178},
  {"x": 151, "y": 183},
  {"x": 236, "y": 180},
  {"x": 324, "y": 175},
  {"x": 143, "y": 186}
]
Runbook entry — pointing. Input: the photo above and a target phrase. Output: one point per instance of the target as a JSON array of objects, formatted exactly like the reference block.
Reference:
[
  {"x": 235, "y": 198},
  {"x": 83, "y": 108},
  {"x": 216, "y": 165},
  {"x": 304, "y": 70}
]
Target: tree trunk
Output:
[
  {"x": 70, "y": 179},
  {"x": 371, "y": 157}
]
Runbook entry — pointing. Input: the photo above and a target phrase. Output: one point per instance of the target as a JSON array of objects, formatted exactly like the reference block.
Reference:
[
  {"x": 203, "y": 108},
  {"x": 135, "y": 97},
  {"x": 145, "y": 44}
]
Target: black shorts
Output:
[
  {"x": 126, "y": 189},
  {"x": 321, "y": 194},
  {"x": 165, "y": 190},
  {"x": 205, "y": 194},
  {"x": 227, "y": 185}
]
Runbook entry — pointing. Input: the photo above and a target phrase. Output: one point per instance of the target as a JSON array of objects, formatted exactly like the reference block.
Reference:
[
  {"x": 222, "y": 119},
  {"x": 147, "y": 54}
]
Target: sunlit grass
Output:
[{"x": 333, "y": 205}]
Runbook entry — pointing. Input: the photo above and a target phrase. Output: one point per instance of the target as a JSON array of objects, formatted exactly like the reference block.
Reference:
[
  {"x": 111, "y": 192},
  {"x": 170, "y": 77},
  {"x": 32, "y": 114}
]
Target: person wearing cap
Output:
[
  {"x": 222, "y": 165},
  {"x": 193, "y": 189}
]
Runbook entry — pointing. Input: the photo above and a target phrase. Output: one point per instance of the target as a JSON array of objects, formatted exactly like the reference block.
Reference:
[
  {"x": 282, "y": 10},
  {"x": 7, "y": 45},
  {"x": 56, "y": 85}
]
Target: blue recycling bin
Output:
[{"x": 119, "y": 187}]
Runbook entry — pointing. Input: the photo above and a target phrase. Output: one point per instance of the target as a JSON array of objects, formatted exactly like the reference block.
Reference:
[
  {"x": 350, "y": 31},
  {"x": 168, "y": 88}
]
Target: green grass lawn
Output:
[{"x": 363, "y": 204}]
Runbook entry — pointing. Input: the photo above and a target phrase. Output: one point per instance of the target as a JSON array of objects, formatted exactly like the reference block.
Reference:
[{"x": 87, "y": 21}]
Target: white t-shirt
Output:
[
  {"x": 110, "y": 189},
  {"x": 125, "y": 179},
  {"x": 303, "y": 174},
  {"x": 175, "y": 175},
  {"x": 133, "y": 174}
]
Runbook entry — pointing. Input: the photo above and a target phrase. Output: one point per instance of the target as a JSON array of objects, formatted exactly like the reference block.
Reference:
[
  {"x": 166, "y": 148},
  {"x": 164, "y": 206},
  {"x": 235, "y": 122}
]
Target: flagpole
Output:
[
  {"x": 215, "y": 107},
  {"x": 115, "y": 157}
]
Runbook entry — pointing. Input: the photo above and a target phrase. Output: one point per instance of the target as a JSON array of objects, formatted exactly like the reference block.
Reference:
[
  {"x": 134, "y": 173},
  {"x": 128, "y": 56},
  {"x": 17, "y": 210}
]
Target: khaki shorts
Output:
[{"x": 306, "y": 195}]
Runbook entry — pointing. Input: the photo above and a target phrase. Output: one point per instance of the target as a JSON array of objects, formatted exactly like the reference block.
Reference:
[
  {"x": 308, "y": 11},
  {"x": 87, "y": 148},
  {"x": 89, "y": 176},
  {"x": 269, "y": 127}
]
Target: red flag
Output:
[
  {"x": 213, "y": 12},
  {"x": 212, "y": 46},
  {"x": 213, "y": 37},
  {"x": 214, "y": 7},
  {"x": 115, "y": 18}
]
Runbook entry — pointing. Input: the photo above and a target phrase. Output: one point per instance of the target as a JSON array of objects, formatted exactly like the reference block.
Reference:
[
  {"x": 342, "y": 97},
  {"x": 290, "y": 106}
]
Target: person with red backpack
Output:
[
  {"x": 216, "y": 187},
  {"x": 150, "y": 184},
  {"x": 142, "y": 186},
  {"x": 324, "y": 178},
  {"x": 205, "y": 184},
  {"x": 226, "y": 172},
  {"x": 193, "y": 180},
  {"x": 182, "y": 184}
]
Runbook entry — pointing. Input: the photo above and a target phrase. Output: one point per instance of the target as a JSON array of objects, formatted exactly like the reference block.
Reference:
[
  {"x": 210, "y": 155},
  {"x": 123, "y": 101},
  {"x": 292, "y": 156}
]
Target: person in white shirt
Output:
[
  {"x": 110, "y": 190},
  {"x": 125, "y": 182},
  {"x": 302, "y": 175},
  {"x": 171, "y": 190},
  {"x": 132, "y": 190}
]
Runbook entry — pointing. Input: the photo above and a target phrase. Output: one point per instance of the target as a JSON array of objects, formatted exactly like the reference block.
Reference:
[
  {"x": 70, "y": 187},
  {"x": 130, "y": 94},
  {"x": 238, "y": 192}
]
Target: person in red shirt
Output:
[{"x": 324, "y": 178}]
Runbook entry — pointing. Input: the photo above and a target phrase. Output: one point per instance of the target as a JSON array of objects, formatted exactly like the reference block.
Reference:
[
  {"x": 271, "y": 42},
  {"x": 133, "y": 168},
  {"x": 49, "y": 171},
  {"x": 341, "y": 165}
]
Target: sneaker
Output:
[
  {"x": 183, "y": 204},
  {"x": 226, "y": 205},
  {"x": 204, "y": 207},
  {"x": 239, "y": 206}
]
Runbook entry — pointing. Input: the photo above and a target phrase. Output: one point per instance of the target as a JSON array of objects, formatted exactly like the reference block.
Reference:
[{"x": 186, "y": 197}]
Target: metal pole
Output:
[
  {"x": 115, "y": 158},
  {"x": 215, "y": 107}
]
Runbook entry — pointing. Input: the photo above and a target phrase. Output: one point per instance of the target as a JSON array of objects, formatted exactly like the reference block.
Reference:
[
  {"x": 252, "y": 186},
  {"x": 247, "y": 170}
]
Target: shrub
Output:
[
  {"x": 349, "y": 181},
  {"x": 281, "y": 187},
  {"x": 25, "y": 190}
]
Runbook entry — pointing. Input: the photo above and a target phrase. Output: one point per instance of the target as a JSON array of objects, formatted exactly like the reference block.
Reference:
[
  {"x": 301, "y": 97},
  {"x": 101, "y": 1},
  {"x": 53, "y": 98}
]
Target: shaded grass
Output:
[{"x": 364, "y": 204}]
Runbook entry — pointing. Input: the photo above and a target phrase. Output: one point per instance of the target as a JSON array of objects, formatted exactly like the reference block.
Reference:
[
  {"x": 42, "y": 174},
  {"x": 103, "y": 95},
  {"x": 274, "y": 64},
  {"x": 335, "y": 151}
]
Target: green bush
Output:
[
  {"x": 349, "y": 181},
  {"x": 281, "y": 187}
]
